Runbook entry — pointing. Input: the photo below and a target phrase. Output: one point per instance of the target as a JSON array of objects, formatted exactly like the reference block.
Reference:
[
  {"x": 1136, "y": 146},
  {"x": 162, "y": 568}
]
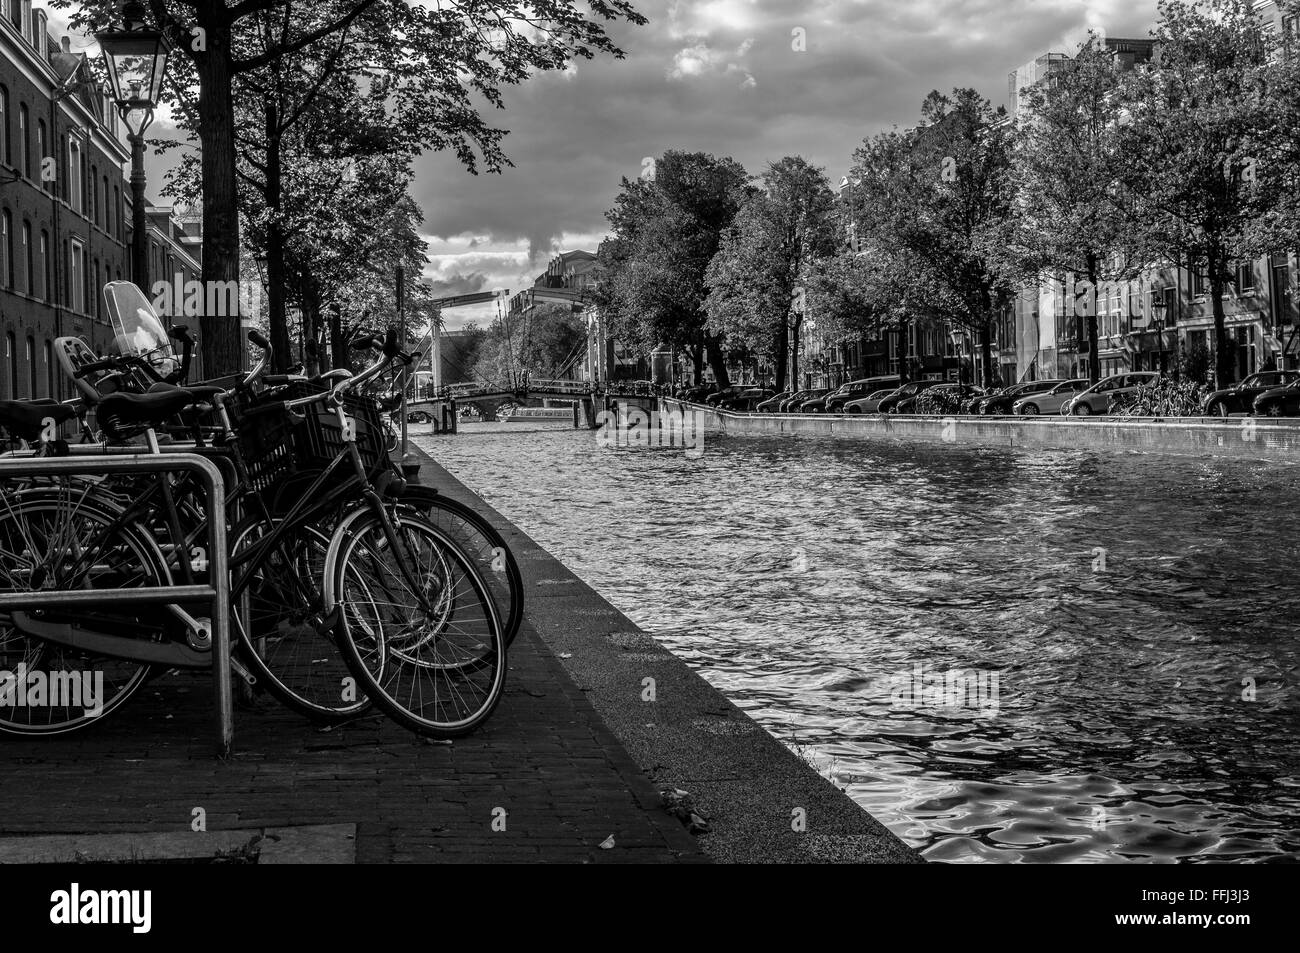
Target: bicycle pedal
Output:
[{"x": 238, "y": 668}]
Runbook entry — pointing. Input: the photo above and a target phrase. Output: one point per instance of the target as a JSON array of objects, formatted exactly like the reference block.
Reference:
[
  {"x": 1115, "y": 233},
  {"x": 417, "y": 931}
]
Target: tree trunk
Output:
[
  {"x": 986, "y": 354},
  {"x": 697, "y": 363},
  {"x": 713, "y": 348},
  {"x": 1094, "y": 365},
  {"x": 781, "y": 353},
  {"x": 221, "y": 340},
  {"x": 338, "y": 340},
  {"x": 1225, "y": 364},
  {"x": 279, "y": 319}
]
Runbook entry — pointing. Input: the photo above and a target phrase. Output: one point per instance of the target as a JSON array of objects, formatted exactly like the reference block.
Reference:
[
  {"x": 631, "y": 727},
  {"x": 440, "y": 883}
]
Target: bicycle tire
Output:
[
  {"x": 375, "y": 633},
  {"x": 491, "y": 551},
  {"x": 21, "y": 518},
  {"x": 280, "y": 623}
]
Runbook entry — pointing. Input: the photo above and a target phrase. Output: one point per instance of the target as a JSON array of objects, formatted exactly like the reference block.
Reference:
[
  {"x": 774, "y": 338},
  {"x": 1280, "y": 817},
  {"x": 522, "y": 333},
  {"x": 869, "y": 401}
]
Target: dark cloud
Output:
[{"x": 723, "y": 77}]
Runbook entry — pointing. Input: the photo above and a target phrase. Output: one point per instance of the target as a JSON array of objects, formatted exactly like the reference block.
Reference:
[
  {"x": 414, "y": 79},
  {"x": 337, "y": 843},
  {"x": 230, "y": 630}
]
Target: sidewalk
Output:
[{"x": 545, "y": 757}]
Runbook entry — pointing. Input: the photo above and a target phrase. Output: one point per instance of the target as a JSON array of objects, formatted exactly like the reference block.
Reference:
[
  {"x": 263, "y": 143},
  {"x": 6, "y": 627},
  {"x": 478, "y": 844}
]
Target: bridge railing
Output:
[{"x": 472, "y": 389}]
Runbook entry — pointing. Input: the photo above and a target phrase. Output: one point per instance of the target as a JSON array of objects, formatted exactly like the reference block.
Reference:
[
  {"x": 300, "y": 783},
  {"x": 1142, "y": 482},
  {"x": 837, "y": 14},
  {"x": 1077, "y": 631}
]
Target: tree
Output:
[
  {"x": 1197, "y": 144},
  {"x": 933, "y": 204},
  {"x": 1076, "y": 212},
  {"x": 777, "y": 236},
  {"x": 666, "y": 229},
  {"x": 461, "y": 49},
  {"x": 1279, "y": 228}
]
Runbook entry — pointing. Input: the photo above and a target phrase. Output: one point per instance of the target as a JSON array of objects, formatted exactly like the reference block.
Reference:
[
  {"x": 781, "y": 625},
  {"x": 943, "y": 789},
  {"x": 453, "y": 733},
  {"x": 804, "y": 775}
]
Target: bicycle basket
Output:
[
  {"x": 266, "y": 440},
  {"x": 320, "y": 439}
]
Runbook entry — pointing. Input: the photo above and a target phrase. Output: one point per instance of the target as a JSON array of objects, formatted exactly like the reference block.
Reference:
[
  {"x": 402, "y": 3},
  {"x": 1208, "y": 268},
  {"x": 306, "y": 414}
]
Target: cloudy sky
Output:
[{"x": 725, "y": 77}]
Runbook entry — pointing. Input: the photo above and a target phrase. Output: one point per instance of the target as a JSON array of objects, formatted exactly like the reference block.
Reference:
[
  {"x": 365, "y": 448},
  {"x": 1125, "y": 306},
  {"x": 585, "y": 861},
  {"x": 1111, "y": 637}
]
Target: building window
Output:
[
  {"x": 30, "y": 286},
  {"x": 47, "y": 286},
  {"x": 117, "y": 205},
  {"x": 11, "y": 352},
  {"x": 108, "y": 209},
  {"x": 49, "y": 369},
  {"x": 31, "y": 366},
  {"x": 7, "y": 247},
  {"x": 1246, "y": 278},
  {"x": 77, "y": 277},
  {"x": 94, "y": 292},
  {"x": 25, "y": 140},
  {"x": 1199, "y": 281},
  {"x": 74, "y": 180},
  {"x": 41, "y": 150},
  {"x": 93, "y": 192},
  {"x": 4, "y": 123}
]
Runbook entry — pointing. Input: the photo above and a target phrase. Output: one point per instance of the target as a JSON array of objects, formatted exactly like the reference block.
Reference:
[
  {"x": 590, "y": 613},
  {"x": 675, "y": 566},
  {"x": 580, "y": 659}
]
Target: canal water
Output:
[{"x": 1005, "y": 656}]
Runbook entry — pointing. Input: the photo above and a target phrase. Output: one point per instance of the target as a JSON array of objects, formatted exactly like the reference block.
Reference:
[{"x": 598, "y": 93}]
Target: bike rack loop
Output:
[{"x": 217, "y": 592}]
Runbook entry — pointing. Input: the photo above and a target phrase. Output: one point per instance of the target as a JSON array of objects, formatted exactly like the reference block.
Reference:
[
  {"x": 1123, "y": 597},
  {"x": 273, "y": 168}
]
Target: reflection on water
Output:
[{"x": 844, "y": 593}]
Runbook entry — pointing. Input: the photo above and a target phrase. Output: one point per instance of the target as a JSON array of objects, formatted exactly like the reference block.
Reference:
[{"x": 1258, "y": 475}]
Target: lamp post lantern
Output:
[{"x": 136, "y": 60}]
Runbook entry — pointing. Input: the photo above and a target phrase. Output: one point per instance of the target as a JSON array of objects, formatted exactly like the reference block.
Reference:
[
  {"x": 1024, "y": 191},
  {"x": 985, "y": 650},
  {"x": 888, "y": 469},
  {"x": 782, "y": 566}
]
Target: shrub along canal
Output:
[{"x": 1004, "y": 655}]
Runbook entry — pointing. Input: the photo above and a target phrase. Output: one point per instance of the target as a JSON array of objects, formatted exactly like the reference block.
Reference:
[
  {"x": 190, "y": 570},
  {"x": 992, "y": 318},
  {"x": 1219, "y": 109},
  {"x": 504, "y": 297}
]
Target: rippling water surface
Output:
[{"x": 1129, "y": 607}]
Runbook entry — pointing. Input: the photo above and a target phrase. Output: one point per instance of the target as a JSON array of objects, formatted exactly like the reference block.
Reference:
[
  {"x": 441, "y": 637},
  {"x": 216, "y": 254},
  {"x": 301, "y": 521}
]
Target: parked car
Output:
[
  {"x": 770, "y": 405},
  {"x": 815, "y": 397},
  {"x": 890, "y": 404},
  {"x": 1240, "y": 398},
  {"x": 731, "y": 390},
  {"x": 1098, "y": 398},
  {"x": 794, "y": 400},
  {"x": 1053, "y": 401},
  {"x": 1279, "y": 401},
  {"x": 1001, "y": 402},
  {"x": 868, "y": 404},
  {"x": 697, "y": 393},
  {"x": 747, "y": 399},
  {"x": 854, "y": 390}
]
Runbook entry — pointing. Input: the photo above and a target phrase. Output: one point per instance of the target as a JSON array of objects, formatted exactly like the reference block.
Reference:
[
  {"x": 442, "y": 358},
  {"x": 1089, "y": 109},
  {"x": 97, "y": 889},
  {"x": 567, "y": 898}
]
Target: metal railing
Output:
[{"x": 217, "y": 592}]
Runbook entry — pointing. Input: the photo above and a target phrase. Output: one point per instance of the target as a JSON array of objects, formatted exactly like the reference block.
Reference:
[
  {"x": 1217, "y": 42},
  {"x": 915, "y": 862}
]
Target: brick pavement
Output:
[{"x": 545, "y": 757}]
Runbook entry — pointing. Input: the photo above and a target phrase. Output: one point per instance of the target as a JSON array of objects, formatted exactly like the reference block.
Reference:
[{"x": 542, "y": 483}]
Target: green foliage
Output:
[
  {"x": 666, "y": 230},
  {"x": 1194, "y": 361},
  {"x": 764, "y": 256},
  {"x": 1164, "y": 398},
  {"x": 940, "y": 402},
  {"x": 1197, "y": 142}
]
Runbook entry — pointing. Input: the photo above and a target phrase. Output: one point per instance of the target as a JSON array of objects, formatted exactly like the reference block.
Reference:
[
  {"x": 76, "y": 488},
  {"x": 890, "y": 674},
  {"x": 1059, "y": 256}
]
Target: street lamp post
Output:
[
  {"x": 136, "y": 60},
  {"x": 1158, "y": 322}
]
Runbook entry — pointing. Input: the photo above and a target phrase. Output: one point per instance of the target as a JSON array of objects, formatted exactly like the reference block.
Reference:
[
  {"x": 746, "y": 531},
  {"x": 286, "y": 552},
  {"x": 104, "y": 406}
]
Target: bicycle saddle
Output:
[
  {"x": 26, "y": 418},
  {"x": 117, "y": 412},
  {"x": 205, "y": 392}
]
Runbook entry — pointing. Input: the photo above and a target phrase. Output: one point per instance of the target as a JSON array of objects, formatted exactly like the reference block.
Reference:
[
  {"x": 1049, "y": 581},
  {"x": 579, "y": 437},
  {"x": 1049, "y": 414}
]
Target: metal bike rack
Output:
[{"x": 217, "y": 592}]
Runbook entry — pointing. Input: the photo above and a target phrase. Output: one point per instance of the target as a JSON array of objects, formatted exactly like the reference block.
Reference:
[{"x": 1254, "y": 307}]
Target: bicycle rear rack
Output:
[{"x": 216, "y": 593}]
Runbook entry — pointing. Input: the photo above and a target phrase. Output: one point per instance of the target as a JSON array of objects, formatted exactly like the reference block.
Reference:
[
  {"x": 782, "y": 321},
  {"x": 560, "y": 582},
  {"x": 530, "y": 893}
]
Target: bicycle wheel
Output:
[
  {"x": 280, "y": 619},
  {"x": 475, "y": 535},
  {"x": 65, "y": 539},
  {"x": 481, "y": 541},
  {"x": 418, "y": 628}
]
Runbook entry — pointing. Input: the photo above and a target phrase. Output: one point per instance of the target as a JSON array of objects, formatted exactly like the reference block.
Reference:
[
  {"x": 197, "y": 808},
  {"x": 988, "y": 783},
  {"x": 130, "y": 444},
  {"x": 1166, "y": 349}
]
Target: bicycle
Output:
[{"x": 380, "y": 551}]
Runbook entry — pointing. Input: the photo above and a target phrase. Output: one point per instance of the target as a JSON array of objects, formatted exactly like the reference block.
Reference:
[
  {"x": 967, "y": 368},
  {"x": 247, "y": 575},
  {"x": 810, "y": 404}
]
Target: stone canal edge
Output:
[{"x": 749, "y": 787}]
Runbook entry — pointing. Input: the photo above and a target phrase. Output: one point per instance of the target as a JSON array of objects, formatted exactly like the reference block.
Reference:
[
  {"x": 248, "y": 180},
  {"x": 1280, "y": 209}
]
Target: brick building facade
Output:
[{"x": 65, "y": 207}]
